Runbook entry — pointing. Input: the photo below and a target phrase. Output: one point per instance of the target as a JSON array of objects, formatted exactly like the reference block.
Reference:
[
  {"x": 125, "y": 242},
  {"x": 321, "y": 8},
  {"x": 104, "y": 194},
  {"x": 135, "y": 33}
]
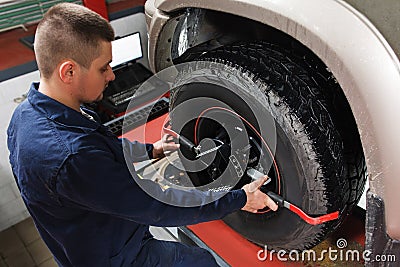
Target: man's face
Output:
[{"x": 93, "y": 81}]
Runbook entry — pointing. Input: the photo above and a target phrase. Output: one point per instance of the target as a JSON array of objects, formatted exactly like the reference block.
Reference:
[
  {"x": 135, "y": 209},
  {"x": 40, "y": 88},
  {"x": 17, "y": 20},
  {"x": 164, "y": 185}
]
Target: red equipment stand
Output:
[
  {"x": 230, "y": 246},
  {"x": 231, "y": 249}
]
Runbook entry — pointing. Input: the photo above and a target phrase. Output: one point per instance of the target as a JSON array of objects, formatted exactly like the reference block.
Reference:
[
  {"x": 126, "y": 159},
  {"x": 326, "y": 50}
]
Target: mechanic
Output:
[{"x": 71, "y": 169}]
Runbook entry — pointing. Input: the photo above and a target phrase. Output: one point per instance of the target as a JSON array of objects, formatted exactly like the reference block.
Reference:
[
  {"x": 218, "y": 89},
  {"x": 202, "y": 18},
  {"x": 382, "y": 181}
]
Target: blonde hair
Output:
[{"x": 69, "y": 31}]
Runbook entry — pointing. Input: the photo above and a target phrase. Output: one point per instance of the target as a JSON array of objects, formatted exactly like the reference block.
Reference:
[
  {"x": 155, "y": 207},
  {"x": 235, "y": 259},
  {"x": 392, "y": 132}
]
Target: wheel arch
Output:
[{"x": 359, "y": 57}]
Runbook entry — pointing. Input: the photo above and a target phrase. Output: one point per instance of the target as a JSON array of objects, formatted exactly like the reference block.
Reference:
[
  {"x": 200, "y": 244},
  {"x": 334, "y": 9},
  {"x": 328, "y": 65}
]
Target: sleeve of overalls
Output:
[
  {"x": 95, "y": 181},
  {"x": 136, "y": 151}
]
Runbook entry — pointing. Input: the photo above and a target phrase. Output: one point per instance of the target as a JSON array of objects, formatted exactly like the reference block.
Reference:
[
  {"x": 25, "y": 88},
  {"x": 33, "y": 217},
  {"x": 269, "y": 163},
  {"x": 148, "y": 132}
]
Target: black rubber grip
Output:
[
  {"x": 186, "y": 143},
  {"x": 277, "y": 198}
]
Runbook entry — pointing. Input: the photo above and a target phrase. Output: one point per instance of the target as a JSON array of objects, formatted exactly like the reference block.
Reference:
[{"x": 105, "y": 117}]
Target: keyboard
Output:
[
  {"x": 124, "y": 96},
  {"x": 139, "y": 116}
]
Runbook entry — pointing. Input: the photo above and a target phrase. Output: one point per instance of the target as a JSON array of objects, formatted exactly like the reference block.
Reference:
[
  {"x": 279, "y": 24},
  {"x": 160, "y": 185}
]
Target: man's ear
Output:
[{"x": 67, "y": 71}]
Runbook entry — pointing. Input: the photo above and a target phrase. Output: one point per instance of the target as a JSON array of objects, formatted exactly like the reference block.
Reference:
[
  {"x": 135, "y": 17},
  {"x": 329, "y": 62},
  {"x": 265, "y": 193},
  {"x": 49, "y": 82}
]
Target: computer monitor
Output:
[{"x": 126, "y": 49}]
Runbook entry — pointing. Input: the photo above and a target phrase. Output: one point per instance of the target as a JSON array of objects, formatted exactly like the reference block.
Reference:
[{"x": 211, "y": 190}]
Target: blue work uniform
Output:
[{"x": 75, "y": 183}]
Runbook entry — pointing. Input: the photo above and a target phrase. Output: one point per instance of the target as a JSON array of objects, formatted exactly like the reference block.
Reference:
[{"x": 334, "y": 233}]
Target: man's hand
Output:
[
  {"x": 166, "y": 144},
  {"x": 256, "y": 199}
]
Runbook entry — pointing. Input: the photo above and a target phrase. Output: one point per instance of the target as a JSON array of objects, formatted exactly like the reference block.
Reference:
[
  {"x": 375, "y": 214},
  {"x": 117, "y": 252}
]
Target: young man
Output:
[{"x": 71, "y": 170}]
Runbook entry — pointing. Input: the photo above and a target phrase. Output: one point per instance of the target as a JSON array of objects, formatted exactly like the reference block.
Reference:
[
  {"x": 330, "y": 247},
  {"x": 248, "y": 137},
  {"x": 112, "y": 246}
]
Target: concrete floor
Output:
[{"x": 21, "y": 246}]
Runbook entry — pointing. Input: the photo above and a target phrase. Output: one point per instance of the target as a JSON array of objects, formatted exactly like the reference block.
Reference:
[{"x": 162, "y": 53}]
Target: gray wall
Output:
[{"x": 385, "y": 15}]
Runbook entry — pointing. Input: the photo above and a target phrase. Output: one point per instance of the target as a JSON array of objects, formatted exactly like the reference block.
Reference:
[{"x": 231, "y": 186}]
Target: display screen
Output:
[{"x": 126, "y": 49}]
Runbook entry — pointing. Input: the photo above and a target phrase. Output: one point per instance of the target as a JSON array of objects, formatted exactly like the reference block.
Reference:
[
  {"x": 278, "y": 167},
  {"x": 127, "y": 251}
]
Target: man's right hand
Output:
[{"x": 256, "y": 199}]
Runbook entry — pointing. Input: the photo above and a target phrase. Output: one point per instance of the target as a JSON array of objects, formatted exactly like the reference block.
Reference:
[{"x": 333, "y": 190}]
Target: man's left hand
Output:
[{"x": 165, "y": 145}]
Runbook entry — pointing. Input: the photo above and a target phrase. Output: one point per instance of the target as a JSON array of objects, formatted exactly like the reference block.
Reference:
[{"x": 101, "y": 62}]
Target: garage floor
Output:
[{"x": 21, "y": 245}]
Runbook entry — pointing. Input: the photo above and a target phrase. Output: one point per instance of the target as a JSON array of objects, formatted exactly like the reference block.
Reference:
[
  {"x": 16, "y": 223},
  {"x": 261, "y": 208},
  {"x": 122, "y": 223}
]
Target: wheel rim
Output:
[{"x": 260, "y": 156}]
